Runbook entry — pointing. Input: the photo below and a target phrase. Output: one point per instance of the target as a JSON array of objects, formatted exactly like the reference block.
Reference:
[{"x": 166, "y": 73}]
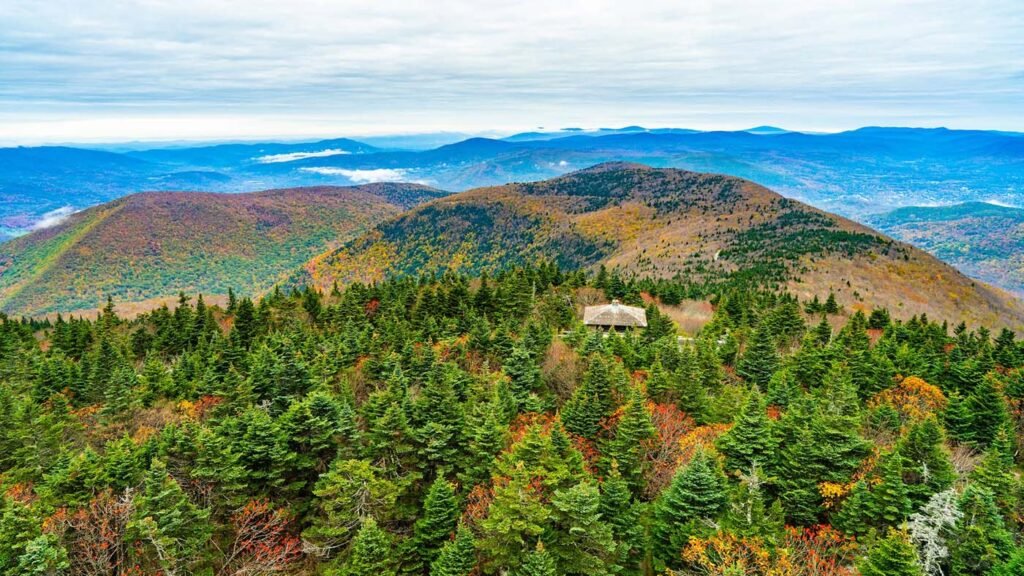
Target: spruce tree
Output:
[
  {"x": 891, "y": 556},
  {"x": 435, "y": 525},
  {"x": 174, "y": 529},
  {"x": 628, "y": 448},
  {"x": 697, "y": 494},
  {"x": 988, "y": 412},
  {"x": 536, "y": 563},
  {"x": 457, "y": 557},
  {"x": 760, "y": 358},
  {"x": 749, "y": 443},
  {"x": 371, "y": 553}
]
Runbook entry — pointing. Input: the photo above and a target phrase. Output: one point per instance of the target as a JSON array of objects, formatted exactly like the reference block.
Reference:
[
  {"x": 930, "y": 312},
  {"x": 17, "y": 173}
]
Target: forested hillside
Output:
[
  {"x": 984, "y": 240},
  {"x": 456, "y": 426},
  {"x": 151, "y": 246},
  {"x": 709, "y": 229}
]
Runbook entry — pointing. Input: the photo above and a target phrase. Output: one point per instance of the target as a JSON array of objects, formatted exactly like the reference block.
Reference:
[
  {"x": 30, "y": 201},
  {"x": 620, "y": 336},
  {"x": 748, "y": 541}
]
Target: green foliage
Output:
[
  {"x": 696, "y": 496},
  {"x": 444, "y": 425},
  {"x": 891, "y": 556}
]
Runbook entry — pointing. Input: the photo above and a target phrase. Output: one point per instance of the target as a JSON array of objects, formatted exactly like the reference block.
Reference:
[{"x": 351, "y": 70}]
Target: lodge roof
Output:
[{"x": 615, "y": 315}]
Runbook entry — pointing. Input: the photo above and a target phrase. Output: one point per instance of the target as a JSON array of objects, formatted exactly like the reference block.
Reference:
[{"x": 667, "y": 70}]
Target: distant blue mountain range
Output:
[{"x": 854, "y": 173}]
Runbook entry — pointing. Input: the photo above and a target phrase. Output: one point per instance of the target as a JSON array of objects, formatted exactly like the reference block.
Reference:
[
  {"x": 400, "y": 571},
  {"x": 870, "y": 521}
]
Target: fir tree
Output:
[
  {"x": 537, "y": 563},
  {"x": 981, "y": 541},
  {"x": 988, "y": 412},
  {"x": 696, "y": 495},
  {"x": 457, "y": 557},
  {"x": 371, "y": 554},
  {"x": 760, "y": 359},
  {"x": 173, "y": 528},
  {"x": 890, "y": 504},
  {"x": 749, "y": 443},
  {"x": 891, "y": 556},
  {"x": 628, "y": 446},
  {"x": 435, "y": 526}
]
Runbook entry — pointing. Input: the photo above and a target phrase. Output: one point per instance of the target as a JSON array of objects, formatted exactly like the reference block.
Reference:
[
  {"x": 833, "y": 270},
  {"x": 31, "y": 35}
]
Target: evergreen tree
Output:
[
  {"x": 988, "y": 412},
  {"x": 628, "y": 448},
  {"x": 749, "y": 443},
  {"x": 435, "y": 526},
  {"x": 957, "y": 419},
  {"x": 174, "y": 530},
  {"x": 760, "y": 359},
  {"x": 371, "y": 553},
  {"x": 457, "y": 557},
  {"x": 622, "y": 513},
  {"x": 981, "y": 540},
  {"x": 696, "y": 495},
  {"x": 523, "y": 373},
  {"x": 891, "y": 556},
  {"x": 890, "y": 504},
  {"x": 537, "y": 563}
]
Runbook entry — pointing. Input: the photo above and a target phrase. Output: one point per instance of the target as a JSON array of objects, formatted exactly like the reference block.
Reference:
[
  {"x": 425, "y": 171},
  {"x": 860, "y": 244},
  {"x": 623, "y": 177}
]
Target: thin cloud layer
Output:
[
  {"x": 363, "y": 176},
  {"x": 291, "y": 156},
  {"x": 195, "y": 68}
]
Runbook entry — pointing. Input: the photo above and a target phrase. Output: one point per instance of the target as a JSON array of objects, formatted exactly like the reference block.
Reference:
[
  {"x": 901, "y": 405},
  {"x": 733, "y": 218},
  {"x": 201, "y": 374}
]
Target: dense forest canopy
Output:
[{"x": 449, "y": 426}]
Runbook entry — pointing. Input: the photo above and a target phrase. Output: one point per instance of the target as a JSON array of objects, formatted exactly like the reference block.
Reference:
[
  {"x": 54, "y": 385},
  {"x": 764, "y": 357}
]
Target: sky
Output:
[{"x": 120, "y": 70}]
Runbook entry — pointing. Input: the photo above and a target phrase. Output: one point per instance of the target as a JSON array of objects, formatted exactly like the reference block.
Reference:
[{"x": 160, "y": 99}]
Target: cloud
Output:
[
  {"x": 363, "y": 176},
  {"x": 274, "y": 158},
  {"x": 53, "y": 218},
  {"x": 115, "y": 69}
]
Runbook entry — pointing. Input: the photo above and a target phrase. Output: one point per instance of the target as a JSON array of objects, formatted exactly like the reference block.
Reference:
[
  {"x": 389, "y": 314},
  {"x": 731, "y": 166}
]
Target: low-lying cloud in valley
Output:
[
  {"x": 275, "y": 158},
  {"x": 53, "y": 218},
  {"x": 364, "y": 176}
]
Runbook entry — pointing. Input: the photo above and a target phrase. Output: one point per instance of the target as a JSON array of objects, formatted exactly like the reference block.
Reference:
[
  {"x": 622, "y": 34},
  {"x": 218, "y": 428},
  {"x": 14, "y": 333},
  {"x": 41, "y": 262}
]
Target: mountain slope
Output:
[
  {"x": 984, "y": 240},
  {"x": 709, "y": 228},
  {"x": 155, "y": 244}
]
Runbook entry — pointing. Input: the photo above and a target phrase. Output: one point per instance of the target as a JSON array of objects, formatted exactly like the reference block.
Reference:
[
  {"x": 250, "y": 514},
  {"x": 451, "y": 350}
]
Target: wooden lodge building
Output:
[{"x": 614, "y": 316}]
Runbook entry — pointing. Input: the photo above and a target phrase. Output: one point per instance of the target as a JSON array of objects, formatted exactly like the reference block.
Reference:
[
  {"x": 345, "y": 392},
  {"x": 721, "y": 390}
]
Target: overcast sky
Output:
[{"x": 185, "y": 69}]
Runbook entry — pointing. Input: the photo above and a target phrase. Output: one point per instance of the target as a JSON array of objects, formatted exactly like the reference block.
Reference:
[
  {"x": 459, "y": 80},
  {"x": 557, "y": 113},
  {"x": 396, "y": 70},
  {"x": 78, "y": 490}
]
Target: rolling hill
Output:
[
  {"x": 710, "y": 229},
  {"x": 984, "y": 240},
  {"x": 152, "y": 245}
]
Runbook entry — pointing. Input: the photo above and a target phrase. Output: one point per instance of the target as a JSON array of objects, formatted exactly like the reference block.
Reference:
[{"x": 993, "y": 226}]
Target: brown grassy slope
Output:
[
  {"x": 662, "y": 222},
  {"x": 147, "y": 246}
]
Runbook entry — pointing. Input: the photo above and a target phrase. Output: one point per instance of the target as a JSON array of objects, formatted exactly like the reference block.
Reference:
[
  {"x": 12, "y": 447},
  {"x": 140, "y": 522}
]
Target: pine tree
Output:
[
  {"x": 749, "y": 443},
  {"x": 435, "y": 526},
  {"x": 957, "y": 419},
  {"x": 628, "y": 446},
  {"x": 891, "y": 556},
  {"x": 173, "y": 528},
  {"x": 890, "y": 504},
  {"x": 697, "y": 494},
  {"x": 537, "y": 563},
  {"x": 988, "y": 412},
  {"x": 371, "y": 553},
  {"x": 760, "y": 359},
  {"x": 981, "y": 540},
  {"x": 457, "y": 557},
  {"x": 622, "y": 513},
  {"x": 523, "y": 373}
]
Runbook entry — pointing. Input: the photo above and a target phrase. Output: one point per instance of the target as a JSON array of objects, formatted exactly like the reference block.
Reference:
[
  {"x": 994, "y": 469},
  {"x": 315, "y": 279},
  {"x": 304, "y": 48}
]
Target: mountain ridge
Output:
[
  {"x": 155, "y": 244},
  {"x": 663, "y": 222}
]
